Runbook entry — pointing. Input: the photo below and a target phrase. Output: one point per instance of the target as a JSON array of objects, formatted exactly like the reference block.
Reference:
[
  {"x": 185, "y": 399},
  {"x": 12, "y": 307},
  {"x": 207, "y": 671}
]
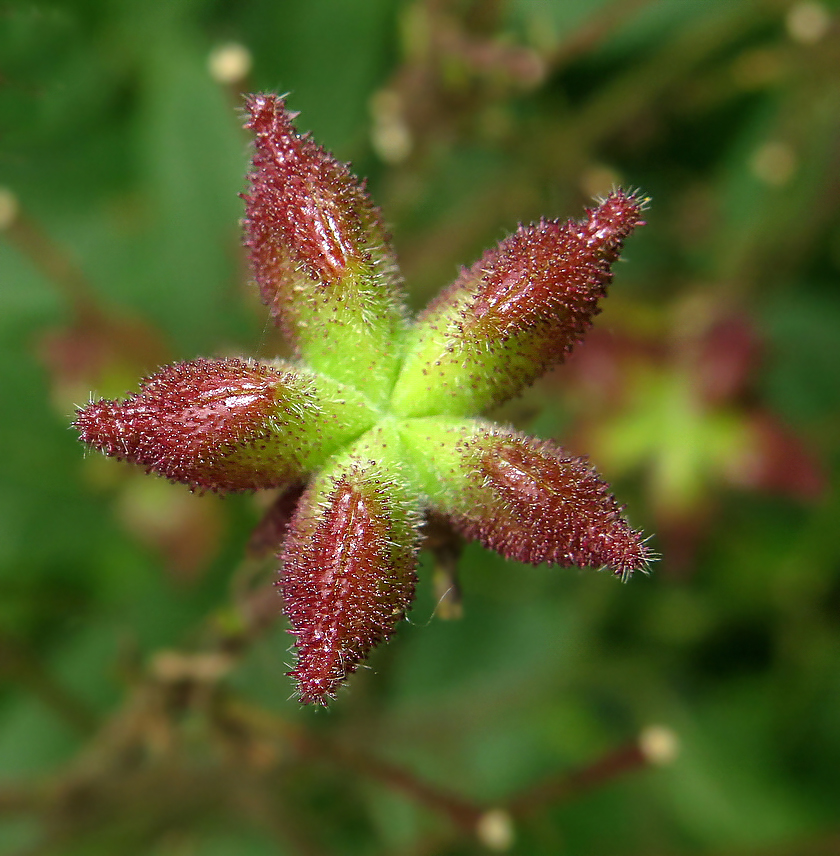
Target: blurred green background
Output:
[{"x": 143, "y": 703}]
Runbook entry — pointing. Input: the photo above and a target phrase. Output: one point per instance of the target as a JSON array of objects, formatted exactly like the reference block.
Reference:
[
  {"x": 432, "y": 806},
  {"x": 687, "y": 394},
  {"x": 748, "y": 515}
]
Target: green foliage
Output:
[{"x": 143, "y": 703}]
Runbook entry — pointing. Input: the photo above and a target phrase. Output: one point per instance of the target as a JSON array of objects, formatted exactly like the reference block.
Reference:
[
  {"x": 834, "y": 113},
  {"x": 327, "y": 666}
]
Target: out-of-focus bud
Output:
[
  {"x": 320, "y": 254},
  {"x": 225, "y": 424},
  {"x": 777, "y": 460},
  {"x": 519, "y": 309},
  {"x": 230, "y": 63}
]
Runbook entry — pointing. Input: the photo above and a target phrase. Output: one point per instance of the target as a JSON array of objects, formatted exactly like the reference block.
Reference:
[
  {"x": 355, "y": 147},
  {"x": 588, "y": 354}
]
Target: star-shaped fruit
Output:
[{"x": 376, "y": 422}]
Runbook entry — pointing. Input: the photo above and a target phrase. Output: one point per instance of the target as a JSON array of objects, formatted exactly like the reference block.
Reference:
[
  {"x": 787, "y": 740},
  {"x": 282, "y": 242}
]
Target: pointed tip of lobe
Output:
[
  {"x": 613, "y": 219},
  {"x": 267, "y": 114}
]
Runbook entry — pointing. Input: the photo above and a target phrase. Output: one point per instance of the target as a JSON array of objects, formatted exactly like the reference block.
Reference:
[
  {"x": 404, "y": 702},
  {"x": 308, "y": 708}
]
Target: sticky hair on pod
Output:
[{"x": 348, "y": 575}]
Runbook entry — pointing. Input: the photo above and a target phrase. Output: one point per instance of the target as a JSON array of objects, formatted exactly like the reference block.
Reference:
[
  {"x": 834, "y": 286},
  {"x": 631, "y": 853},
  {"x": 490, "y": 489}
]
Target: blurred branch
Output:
[
  {"x": 47, "y": 256},
  {"x": 20, "y": 799},
  {"x": 138, "y": 758},
  {"x": 23, "y": 668},
  {"x": 594, "y": 29},
  {"x": 655, "y": 745},
  {"x": 462, "y": 812}
]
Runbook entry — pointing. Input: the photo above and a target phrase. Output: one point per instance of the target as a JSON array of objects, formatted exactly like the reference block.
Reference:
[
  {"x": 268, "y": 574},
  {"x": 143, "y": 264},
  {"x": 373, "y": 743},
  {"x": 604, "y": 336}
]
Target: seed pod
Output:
[
  {"x": 226, "y": 425},
  {"x": 321, "y": 255},
  {"x": 518, "y": 310},
  {"x": 525, "y": 498},
  {"x": 348, "y": 574}
]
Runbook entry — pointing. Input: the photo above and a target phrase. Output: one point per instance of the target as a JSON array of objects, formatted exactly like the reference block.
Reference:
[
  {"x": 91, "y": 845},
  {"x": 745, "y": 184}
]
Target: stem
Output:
[
  {"x": 460, "y": 811},
  {"x": 554, "y": 790}
]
